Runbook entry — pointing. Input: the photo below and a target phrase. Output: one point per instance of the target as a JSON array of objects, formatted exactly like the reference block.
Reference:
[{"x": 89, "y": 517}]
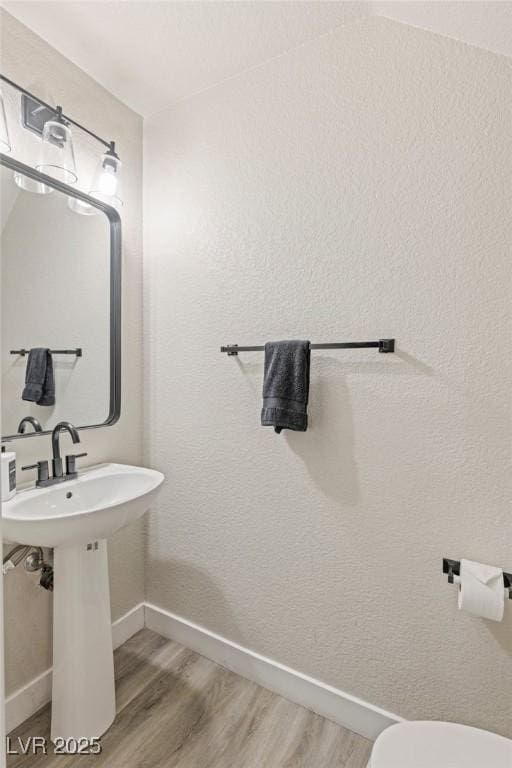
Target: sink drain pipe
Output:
[{"x": 34, "y": 561}]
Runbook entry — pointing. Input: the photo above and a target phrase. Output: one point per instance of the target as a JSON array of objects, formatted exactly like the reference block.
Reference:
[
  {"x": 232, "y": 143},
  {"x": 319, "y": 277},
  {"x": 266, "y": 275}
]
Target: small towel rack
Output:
[
  {"x": 452, "y": 568},
  {"x": 383, "y": 345},
  {"x": 23, "y": 352}
]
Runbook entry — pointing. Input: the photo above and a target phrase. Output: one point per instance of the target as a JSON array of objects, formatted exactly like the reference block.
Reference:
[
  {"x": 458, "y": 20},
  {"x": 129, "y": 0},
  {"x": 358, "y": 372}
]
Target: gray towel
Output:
[
  {"x": 286, "y": 385},
  {"x": 39, "y": 382}
]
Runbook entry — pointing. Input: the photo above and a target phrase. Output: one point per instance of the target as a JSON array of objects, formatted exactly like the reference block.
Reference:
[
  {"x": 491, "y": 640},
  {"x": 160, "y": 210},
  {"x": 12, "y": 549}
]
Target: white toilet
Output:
[{"x": 431, "y": 744}]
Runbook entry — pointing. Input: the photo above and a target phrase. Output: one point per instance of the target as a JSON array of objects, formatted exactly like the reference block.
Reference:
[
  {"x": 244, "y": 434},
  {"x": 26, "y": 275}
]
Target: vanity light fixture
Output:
[
  {"x": 57, "y": 158},
  {"x": 106, "y": 184},
  {"x": 81, "y": 207},
  {"x": 30, "y": 185},
  {"x": 5, "y": 143}
]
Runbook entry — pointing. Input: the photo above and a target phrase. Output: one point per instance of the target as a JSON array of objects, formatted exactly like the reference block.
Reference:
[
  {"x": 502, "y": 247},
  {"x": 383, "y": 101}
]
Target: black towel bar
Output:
[
  {"x": 23, "y": 352},
  {"x": 383, "y": 345}
]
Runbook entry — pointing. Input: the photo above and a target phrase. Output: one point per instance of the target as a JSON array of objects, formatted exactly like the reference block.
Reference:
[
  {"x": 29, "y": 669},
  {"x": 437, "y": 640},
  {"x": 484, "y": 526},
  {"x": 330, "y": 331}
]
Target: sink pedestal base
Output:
[{"x": 83, "y": 691}]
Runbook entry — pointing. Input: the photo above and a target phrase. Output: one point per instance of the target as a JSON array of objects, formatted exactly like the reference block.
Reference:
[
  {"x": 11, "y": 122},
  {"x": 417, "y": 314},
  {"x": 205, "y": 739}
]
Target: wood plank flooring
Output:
[{"x": 176, "y": 709}]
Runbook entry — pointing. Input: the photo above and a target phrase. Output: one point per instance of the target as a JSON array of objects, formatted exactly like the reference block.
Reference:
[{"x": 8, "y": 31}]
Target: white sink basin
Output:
[
  {"x": 75, "y": 518},
  {"x": 94, "y": 506}
]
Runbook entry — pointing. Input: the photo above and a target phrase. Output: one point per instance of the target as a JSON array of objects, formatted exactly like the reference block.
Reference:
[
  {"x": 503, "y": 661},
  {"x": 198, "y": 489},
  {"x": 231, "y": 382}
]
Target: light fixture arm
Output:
[{"x": 112, "y": 150}]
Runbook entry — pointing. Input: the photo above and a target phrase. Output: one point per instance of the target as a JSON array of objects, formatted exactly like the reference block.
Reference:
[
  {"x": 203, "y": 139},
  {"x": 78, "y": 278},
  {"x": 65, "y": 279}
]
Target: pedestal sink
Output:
[{"x": 76, "y": 518}]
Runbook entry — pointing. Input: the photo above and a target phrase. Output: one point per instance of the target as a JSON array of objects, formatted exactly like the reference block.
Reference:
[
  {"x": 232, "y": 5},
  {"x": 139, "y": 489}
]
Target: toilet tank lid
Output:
[{"x": 425, "y": 744}]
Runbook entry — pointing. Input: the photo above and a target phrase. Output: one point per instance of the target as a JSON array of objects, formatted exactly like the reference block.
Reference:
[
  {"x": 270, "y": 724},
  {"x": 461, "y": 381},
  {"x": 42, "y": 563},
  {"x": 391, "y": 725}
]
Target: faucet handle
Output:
[
  {"x": 42, "y": 471},
  {"x": 71, "y": 462}
]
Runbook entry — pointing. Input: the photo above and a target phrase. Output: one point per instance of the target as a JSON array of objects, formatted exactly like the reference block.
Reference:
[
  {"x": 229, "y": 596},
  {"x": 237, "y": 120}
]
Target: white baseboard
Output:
[
  {"x": 27, "y": 700},
  {"x": 128, "y": 625},
  {"x": 336, "y": 705},
  {"x": 24, "y": 702}
]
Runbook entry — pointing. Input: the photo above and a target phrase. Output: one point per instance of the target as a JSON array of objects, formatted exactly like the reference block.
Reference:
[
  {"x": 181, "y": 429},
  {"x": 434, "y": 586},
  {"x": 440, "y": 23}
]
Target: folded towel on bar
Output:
[
  {"x": 39, "y": 381},
  {"x": 286, "y": 385}
]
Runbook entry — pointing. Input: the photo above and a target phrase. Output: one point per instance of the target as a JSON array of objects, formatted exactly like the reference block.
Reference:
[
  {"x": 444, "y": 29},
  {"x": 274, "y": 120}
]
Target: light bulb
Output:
[{"x": 106, "y": 184}]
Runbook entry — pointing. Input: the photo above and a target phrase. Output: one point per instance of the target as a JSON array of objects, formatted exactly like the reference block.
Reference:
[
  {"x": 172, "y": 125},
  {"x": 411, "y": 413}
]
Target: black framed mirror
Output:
[{"x": 61, "y": 291}]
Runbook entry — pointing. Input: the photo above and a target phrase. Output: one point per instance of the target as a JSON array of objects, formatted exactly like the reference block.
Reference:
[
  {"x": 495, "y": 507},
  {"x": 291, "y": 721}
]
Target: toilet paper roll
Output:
[{"x": 481, "y": 590}]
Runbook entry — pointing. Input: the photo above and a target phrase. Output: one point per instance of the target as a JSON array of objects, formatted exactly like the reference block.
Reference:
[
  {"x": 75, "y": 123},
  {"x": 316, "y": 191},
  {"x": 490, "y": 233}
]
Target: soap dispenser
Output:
[{"x": 8, "y": 479}]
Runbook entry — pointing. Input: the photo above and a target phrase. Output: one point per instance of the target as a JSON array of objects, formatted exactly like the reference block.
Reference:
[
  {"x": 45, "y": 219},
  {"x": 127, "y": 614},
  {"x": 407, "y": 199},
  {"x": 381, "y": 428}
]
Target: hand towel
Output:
[
  {"x": 48, "y": 396},
  {"x": 286, "y": 385},
  {"x": 39, "y": 381}
]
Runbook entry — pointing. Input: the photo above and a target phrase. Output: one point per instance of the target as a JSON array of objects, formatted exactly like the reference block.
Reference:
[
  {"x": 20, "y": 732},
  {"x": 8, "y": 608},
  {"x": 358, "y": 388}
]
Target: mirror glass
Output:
[{"x": 56, "y": 271}]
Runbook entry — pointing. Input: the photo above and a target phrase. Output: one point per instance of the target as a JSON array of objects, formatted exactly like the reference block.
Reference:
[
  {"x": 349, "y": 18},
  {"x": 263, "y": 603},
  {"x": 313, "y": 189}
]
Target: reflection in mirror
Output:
[{"x": 55, "y": 283}]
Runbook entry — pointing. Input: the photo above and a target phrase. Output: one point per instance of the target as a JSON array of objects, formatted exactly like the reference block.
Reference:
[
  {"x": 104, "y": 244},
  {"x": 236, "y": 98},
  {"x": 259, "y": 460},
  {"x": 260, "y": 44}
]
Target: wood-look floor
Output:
[{"x": 176, "y": 709}]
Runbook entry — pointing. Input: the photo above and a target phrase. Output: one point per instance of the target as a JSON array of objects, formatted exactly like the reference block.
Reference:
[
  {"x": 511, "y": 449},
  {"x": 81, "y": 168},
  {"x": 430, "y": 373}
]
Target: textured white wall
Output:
[
  {"x": 358, "y": 187},
  {"x": 30, "y": 61}
]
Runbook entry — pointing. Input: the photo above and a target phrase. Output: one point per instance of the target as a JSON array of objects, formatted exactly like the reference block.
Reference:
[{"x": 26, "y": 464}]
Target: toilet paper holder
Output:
[{"x": 452, "y": 568}]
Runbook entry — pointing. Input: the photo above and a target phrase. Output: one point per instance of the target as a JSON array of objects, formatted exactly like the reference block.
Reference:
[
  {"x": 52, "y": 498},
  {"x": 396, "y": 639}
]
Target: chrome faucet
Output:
[
  {"x": 43, "y": 475},
  {"x": 29, "y": 420}
]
